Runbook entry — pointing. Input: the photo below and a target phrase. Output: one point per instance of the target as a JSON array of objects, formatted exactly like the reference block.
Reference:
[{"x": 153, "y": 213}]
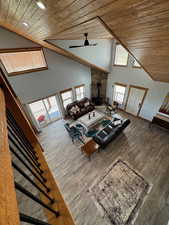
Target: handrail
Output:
[
  {"x": 31, "y": 150},
  {"x": 9, "y": 213}
]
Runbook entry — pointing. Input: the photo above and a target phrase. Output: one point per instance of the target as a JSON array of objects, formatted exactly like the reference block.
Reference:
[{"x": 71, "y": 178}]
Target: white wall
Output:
[
  {"x": 99, "y": 55},
  {"x": 62, "y": 72},
  {"x": 135, "y": 76}
]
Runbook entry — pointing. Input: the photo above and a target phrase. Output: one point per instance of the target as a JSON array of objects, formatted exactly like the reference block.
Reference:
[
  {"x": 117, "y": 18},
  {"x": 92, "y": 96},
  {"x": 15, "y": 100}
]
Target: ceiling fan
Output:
[{"x": 86, "y": 43}]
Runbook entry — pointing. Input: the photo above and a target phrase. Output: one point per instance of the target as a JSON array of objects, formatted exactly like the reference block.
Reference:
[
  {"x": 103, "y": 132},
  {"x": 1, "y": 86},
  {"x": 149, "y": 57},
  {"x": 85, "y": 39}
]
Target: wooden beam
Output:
[{"x": 9, "y": 213}]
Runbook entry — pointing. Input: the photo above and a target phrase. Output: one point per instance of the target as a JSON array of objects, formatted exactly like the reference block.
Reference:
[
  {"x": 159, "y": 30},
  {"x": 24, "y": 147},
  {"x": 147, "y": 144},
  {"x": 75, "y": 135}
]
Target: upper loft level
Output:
[{"x": 140, "y": 26}]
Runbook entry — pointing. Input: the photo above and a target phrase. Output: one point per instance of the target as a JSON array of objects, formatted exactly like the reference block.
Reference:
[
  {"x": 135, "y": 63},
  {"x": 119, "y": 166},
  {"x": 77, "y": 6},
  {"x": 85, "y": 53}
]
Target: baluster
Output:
[
  {"x": 21, "y": 144},
  {"x": 19, "y": 130},
  {"x": 41, "y": 180},
  {"x": 38, "y": 170},
  {"x": 33, "y": 197},
  {"x": 16, "y": 129},
  {"x": 32, "y": 182},
  {"x": 31, "y": 220}
]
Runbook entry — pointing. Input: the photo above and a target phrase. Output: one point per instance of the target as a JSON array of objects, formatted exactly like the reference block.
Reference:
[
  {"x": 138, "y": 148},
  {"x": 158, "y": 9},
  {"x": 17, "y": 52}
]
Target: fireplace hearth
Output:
[{"x": 97, "y": 100}]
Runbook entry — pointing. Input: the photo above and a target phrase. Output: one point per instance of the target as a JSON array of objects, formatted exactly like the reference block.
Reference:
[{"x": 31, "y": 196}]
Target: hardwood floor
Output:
[{"x": 143, "y": 148}]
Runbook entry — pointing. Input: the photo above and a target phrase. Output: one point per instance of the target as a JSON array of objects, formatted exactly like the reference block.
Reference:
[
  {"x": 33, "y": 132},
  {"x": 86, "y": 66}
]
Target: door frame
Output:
[
  {"x": 42, "y": 99},
  {"x": 144, "y": 96}
]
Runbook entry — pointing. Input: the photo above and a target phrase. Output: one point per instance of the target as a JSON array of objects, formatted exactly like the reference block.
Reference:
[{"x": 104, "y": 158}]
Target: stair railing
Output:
[{"x": 18, "y": 143}]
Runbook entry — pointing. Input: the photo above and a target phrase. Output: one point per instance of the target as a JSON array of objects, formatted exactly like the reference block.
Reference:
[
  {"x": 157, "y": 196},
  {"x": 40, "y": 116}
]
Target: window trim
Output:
[
  {"x": 78, "y": 86},
  {"x": 66, "y": 90},
  {"x": 122, "y": 85},
  {"x": 15, "y": 50},
  {"x": 115, "y": 57},
  {"x": 136, "y": 67},
  {"x": 39, "y": 99}
]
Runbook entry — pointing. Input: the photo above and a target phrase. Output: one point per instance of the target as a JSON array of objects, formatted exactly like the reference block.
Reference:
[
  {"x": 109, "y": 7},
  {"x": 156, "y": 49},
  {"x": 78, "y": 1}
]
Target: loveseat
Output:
[
  {"x": 77, "y": 109},
  {"x": 110, "y": 131}
]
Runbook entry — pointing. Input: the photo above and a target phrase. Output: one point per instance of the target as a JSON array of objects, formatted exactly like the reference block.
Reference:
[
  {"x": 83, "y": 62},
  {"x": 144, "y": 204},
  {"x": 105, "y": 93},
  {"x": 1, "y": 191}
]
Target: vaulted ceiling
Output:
[
  {"x": 141, "y": 26},
  {"x": 94, "y": 28}
]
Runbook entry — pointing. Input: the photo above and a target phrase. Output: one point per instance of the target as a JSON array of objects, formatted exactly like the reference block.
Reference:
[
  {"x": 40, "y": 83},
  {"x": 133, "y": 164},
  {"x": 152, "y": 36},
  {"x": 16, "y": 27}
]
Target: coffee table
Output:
[{"x": 88, "y": 123}]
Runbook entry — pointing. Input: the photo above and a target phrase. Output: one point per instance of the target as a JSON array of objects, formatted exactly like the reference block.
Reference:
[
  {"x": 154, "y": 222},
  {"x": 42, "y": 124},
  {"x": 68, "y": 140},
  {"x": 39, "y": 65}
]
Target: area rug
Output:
[{"x": 119, "y": 193}]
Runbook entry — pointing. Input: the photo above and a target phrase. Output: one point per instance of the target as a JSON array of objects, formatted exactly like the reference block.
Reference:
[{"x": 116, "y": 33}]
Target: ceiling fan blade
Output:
[{"x": 76, "y": 46}]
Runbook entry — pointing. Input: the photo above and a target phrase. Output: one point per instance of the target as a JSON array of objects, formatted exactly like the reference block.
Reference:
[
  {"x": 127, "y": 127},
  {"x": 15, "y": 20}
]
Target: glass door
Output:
[
  {"x": 52, "y": 108},
  {"x": 45, "y": 110},
  {"x": 39, "y": 112}
]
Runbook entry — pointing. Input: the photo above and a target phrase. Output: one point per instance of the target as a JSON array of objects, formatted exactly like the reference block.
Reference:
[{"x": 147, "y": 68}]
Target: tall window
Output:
[
  {"x": 67, "y": 97},
  {"x": 19, "y": 61},
  {"x": 119, "y": 93},
  {"x": 136, "y": 64},
  {"x": 121, "y": 56},
  {"x": 80, "y": 92}
]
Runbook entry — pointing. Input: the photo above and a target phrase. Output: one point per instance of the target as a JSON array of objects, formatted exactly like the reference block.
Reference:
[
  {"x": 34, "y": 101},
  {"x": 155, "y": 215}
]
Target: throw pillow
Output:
[
  {"x": 77, "y": 108},
  {"x": 86, "y": 103},
  {"x": 117, "y": 122},
  {"x": 73, "y": 109}
]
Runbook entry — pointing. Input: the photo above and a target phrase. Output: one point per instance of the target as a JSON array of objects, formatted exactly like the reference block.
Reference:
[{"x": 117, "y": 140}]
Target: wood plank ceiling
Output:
[
  {"x": 94, "y": 28},
  {"x": 141, "y": 26}
]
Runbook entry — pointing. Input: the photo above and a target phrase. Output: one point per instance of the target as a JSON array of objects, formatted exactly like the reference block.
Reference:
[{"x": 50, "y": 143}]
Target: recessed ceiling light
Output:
[
  {"x": 40, "y": 5},
  {"x": 25, "y": 24}
]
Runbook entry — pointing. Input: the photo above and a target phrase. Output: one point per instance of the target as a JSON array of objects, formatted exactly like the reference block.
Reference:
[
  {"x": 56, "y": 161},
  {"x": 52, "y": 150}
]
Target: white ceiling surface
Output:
[{"x": 99, "y": 55}]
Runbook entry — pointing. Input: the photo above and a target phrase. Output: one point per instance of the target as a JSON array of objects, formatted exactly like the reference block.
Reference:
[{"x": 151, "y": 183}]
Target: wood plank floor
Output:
[{"x": 145, "y": 149}]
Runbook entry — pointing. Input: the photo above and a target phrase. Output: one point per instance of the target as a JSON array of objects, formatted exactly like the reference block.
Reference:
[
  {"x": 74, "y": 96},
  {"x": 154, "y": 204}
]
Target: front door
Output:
[{"x": 135, "y": 100}]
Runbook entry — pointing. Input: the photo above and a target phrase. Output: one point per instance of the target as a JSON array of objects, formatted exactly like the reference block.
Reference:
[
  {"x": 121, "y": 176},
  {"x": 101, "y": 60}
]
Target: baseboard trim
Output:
[{"x": 135, "y": 116}]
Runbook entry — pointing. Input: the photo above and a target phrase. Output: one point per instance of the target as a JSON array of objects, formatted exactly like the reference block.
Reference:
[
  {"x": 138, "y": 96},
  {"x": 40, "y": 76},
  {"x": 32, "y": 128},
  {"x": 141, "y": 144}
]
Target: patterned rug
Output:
[{"x": 119, "y": 193}]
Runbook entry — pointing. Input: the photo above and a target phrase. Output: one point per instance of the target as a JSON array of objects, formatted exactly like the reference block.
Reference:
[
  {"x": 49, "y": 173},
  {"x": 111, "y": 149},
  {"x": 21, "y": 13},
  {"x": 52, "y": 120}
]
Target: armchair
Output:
[
  {"x": 74, "y": 133},
  {"x": 111, "y": 108}
]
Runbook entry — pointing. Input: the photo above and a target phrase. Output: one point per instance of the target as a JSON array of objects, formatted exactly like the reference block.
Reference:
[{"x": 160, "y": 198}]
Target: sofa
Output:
[
  {"x": 77, "y": 109},
  {"x": 110, "y": 131}
]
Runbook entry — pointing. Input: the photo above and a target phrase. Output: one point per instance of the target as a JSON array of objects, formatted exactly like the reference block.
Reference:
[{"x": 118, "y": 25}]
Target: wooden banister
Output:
[
  {"x": 9, "y": 213},
  {"x": 15, "y": 108},
  {"x": 65, "y": 217}
]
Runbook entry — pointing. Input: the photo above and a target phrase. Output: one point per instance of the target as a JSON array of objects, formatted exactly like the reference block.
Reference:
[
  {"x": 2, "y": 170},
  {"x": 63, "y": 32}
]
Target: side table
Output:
[{"x": 90, "y": 147}]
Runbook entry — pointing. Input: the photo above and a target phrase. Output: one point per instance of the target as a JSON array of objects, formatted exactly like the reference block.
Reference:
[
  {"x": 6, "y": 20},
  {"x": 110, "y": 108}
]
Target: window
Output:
[
  {"x": 121, "y": 56},
  {"x": 80, "y": 92},
  {"x": 19, "y": 61},
  {"x": 67, "y": 97},
  {"x": 136, "y": 64},
  {"x": 119, "y": 93}
]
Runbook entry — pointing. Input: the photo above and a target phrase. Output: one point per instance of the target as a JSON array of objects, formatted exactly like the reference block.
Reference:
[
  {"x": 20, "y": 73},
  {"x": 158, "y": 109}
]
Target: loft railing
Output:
[
  {"x": 22, "y": 148},
  {"x": 21, "y": 151}
]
